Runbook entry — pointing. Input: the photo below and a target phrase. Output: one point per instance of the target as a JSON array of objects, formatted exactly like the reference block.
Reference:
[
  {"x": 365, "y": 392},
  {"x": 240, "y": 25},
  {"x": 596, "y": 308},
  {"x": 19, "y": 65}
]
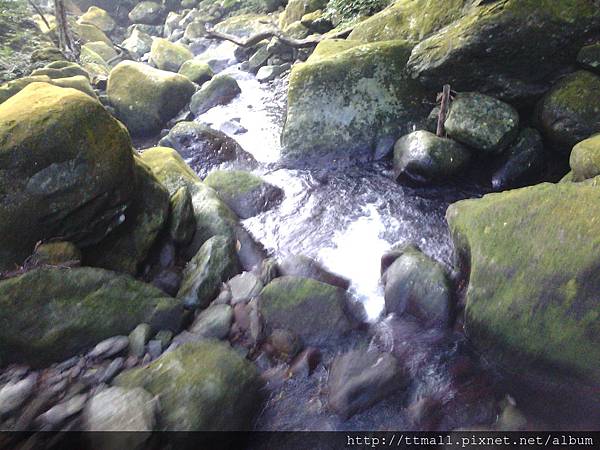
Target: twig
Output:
[
  {"x": 41, "y": 13},
  {"x": 445, "y": 104}
]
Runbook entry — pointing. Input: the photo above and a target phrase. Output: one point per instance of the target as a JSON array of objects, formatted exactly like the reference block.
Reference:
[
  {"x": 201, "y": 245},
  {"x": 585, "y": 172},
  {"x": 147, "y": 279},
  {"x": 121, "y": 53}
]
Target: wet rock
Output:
[
  {"x": 259, "y": 58},
  {"x": 246, "y": 194},
  {"x": 112, "y": 370},
  {"x": 360, "y": 378},
  {"x": 126, "y": 248},
  {"x": 58, "y": 414},
  {"x": 197, "y": 71},
  {"x": 348, "y": 101},
  {"x": 168, "y": 281},
  {"x": 148, "y": 13},
  {"x": 155, "y": 349},
  {"x": 529, "y": 302},
  {"x": 521, "y": 163},
  {"x": 314, "y": 311},
  {"x": 145, "y": 98},
  {"x": 285, "y": 345},
  {"x": 215, "y": 262},
  {"x": 204, "y": 147},
  {"x": 424, "y": 158},
  {"x": 218, "y": 91},
  {"x": 250, "y": 252},
  {"x": 138, "y": 339},
  {"x": 138, "y": 43},
  {"x": 232, "y": 127},
  {"x": 182, "y": 222},
  {"x": 75, "y": 296},
  {"x": 296, "y": 9},
  {"x": 56, "y": 254},
  {"x": 568, "y": 113},
  {"x": 109, "y": 347},
  {"x": 79, "y": 189},
  {"x": 473, "y": 52},
  {"x": 214, "y": 322},
  {"x": 270, "y": 72},
  {"x": 417, "y": 285},
  {"x": 317, "y": 22},
  {"x": 482, "y": 122},
  {"x": 244, "y": 287},
  {"x": 165, "y": 337},
  {"x": 213, "y": 217},
  {"x": 267, "y": 271},
  {"x": 169, "y": 56},
  {"x": 117, "y": 409},
  {"x": 589, "y": 57},
  {"x": 181, "y": 377},
  {"x": 585, "y": 159},
  {"x": 15, "y": 393},
  {"x": 303, "y": 266}
]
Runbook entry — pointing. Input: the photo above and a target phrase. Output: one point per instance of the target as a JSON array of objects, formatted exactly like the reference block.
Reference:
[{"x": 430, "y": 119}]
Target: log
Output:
[
  {"x": 250, "y": 41},
  {"x": 444, "y": 106}
]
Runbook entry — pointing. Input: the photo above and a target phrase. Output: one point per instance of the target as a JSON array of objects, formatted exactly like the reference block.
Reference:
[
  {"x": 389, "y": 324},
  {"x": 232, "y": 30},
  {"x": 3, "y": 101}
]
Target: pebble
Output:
[
  {"x": 138, "y": 339},
  {"x": 154, "y": 348},
  {"x": 13, "y": 395},
  {"x": 59, "y": 413},
  {"x": 109, "y": 347},
  {"x": 112, "y": 370}
]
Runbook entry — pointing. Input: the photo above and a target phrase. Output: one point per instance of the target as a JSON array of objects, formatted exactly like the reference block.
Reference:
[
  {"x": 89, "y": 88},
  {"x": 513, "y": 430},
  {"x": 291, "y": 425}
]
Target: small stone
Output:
[
  {"x": 109, "y": 347},
  {"x": 269, "y": 73},
  {"x": 112, "y": 370},
  {"x": 58, "y": 414},
  {"x": 224, "y": 297},
  {"x": 165, "y": 337},
  {"x": 244, "y": 287},
  {"x": 13, "y": 395},
  {"x": 213, "y": 322},
  {"x": 155, "y": 348},
  {"x": 138, "y": 339}
]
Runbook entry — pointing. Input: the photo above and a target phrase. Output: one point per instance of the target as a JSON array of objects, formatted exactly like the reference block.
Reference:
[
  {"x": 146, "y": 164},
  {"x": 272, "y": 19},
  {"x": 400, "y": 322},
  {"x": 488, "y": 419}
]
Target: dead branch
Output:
[
  {"x": 250, "y": 41},
  {"x": 37, "y": 9},
  {"x": 444, "y": 106},
  {"x": 65, "y": 39}
]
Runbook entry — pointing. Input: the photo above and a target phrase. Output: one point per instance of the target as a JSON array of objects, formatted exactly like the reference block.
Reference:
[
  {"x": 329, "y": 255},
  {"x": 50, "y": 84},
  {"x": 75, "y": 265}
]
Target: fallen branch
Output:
[
  {"x": 37, "y": 9},
  {"x": 250, "y": 41},
  {"x": 444, "y": 106}
]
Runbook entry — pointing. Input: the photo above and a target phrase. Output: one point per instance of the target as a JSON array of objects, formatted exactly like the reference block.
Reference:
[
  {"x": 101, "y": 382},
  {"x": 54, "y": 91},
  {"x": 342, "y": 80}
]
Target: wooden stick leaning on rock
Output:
[
  {"x": 295, "y": 43},
  {"x": 444, "y": 106}
]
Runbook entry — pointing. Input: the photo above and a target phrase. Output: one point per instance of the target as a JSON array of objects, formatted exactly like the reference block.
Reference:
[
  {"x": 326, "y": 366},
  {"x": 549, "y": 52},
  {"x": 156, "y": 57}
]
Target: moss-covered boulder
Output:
[
  {"x": 351, "y": 100},
  {"x": 417, "y": 285},
  {"x": 215, "y": 263},
  {"x": 413, "y": 20},
  {"x": 182, "y": 222},
  {"x": 61, "y": 69},
  {"x": 127, "y": 247},
  {"x": 167, "y": 55},
  {"x": 50, "y": 314},
  {"x": 204, "y": 386},
  {"x": 491, "y": 48},
  {"x": 422, "y": 157},
  {"x": 65, "y": 170},
  {"x": 585, "y": 159},
  {"x": 296, "y": 9},
  {"x": 246, "y": 194},
  {"x": 147, "y": 13},
  {"x": 589, "y": 57},
  {"x": 145, "y": 98},
  {"x": 78, "y": 82},
  {"x": 97, "y": 52},
  {"x": 90, "y": 33},
  {"x": 314, "y": 311},
  {"x": 245, "y": 25},
  {"x": 213, "y": 216},
  {"x": 197, "y": 71},
  {"x": 218, "y": 91},
  {"x": 531, "y": 258},
  {"x": 99, "y": 18},
  {"x": 568, "y": 113},
  {"x": 56, "y": 253},
  {"x": 482, "y": 122}
]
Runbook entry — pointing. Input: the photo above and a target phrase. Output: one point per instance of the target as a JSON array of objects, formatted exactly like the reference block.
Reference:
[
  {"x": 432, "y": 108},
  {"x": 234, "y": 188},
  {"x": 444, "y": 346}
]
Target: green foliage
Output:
[{"x": 348, "y": 9}]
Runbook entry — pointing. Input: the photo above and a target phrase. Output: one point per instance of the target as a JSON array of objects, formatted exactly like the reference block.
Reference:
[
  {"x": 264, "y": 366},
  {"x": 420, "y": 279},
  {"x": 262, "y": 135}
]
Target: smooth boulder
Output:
[
  {"x": 65, "y": 170},
  {"x": 148, "y": 13},
  {"x": 204, "y": 386},
  {"x": 169, "y": 56},
  {"x": 145, "y": 98},
  {"x": 51, "y": 314},
  {"x": 218, "y": 91},
  {"x": 585, "y": 159}
]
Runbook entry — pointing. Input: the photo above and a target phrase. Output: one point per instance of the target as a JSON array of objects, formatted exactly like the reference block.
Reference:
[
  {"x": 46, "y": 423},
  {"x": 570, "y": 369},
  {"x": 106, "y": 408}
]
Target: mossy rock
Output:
[
  {"x": 78, "y": 82},
  {"x": 422, "y": 157},
  {"x": 182, "y": 222},
  {"x": 218, "y": 91},
  {"x": 90, "y": 33},
  {"x": 147, "y": 13},
  {"x": 491, "y": 48},
  {"x": 169, "y": 56},
  {"x": 145, "y": 98},
  {"x": 482, "y": 122},
  {"x": 56, "y": 253},
  {"x": 413, "y": 20},
  {"x": 568, "y": 113},
  {"x": 531, "y": 256},
  {"x": 65, "y": 170},
  {"x": 314, "y": 311},
  {"x": 215, "y": 263},
  {"x": 97, "y": 52},
  {"x": 99, "y": 18},
  {"x": 47, "y": 54},
  {"x": 138, "y": 43},
  {"x": 296, "y": 9},
  {"x": 239, "y": 7},
  {"x": 50, "y": 314},
  {"x": 126, "y": 248},
  {"x": 589, "y": 57},
  {"x": 245, "y": 25},
  {"x": 204, "y": 386},
  {"x": 61, "y": 70},
  {"x": 196, "y": 71},
  {"x": 213, "y": 216},
  {"x": 585, "y": 159},
  {"x": 246, "y": 194},
  {"x": 351, "y": 100}
]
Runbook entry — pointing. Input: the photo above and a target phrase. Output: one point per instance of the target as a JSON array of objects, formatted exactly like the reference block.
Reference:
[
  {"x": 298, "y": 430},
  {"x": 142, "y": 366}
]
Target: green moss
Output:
[
  {"x": 233, "y": 182},
  {"x": 533, "y": 291},
  {"x": 169, "y": 56},
  {"x": 585, "y": 159}
]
